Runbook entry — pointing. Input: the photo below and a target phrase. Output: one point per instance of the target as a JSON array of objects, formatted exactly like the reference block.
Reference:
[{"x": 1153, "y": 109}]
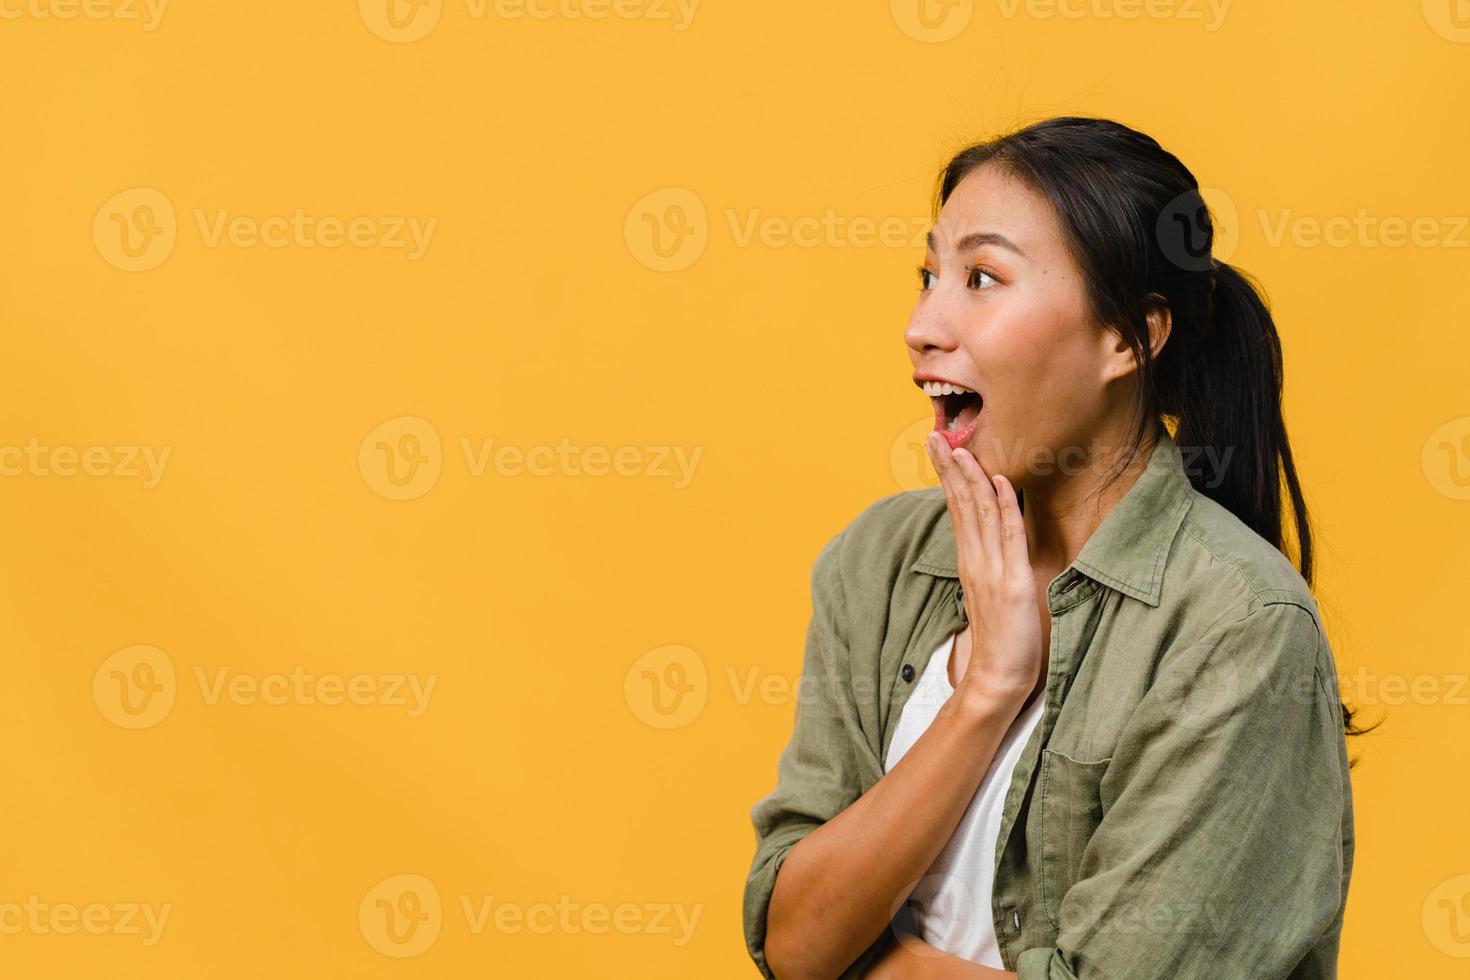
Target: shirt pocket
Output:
[{"x": 1069, "y": 809}]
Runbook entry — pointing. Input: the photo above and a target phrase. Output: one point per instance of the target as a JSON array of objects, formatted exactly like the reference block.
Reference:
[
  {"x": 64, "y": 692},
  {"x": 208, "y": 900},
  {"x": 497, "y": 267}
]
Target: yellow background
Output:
[{"x": 546, "y": 604}]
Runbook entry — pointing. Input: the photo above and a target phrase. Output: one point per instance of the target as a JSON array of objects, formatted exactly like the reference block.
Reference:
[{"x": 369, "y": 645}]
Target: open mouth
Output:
[{"x": 956, "y": 410}]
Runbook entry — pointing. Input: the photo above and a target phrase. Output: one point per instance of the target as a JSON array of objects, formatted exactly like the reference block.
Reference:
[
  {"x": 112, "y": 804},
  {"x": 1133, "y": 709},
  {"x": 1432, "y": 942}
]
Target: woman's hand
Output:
[{"x": 995, "y": 573}]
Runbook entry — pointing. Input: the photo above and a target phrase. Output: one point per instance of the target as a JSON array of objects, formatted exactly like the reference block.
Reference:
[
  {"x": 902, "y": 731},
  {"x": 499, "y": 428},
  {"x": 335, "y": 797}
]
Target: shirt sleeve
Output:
[
  {"x": 1220, "y": 850},
  {"x": 818, "y": 775}
]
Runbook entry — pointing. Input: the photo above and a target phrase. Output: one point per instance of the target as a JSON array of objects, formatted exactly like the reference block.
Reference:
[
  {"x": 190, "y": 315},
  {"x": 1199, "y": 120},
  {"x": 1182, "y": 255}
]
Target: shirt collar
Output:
[{"x": 1128, "y": 549}]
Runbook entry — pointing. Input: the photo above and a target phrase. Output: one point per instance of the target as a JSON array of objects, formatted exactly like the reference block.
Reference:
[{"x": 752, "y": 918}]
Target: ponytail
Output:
[
  {"x": 1223, "y": 383},
  {"x": 1222, "y": 380}
]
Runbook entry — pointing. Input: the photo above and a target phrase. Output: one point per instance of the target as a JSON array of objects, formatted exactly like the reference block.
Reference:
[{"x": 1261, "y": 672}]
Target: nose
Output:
[{"x": 930, "y": 329}]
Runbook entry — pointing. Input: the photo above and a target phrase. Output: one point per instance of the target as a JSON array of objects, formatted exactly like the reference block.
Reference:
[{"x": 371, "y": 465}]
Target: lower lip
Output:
[{"x": 958, "y": 437}]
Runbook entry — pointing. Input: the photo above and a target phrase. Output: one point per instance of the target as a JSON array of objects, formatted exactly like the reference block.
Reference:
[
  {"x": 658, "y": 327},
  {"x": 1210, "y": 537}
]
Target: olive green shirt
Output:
[{"x": 1183, "y": 807}]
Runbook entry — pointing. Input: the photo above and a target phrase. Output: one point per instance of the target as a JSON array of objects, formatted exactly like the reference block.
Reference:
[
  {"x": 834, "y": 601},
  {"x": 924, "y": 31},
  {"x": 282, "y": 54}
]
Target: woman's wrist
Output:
[{"x": 986, "y": 699}]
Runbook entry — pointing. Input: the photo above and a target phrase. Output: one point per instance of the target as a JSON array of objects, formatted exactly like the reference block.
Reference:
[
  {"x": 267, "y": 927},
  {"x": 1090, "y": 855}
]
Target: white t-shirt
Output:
[{"x": 950, "y": 907}]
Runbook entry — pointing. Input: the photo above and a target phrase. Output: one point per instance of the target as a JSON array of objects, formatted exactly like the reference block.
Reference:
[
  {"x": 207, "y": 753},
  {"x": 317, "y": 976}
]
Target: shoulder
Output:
[
  {"x": 1218, "y": 550},
  {"x": 1225, "y": 579},
  {"x": 1241, "y": 641}
]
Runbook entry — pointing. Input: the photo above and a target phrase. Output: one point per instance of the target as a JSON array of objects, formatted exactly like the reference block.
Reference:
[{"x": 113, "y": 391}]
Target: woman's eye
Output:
[
  {"x": 974, "y": 276},
  {"x": 926, "y": 279}
]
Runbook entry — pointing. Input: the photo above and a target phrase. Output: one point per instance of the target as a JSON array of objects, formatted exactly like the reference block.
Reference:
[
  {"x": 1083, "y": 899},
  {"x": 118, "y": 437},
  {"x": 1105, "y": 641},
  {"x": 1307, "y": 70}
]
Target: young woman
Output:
[{"x": 1073, "y": 715}]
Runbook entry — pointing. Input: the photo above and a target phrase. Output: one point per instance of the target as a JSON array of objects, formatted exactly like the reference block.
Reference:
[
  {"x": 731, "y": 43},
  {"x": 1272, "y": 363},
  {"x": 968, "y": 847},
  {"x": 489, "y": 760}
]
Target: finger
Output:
[
  {"x": 949, "y": 478},
  {"x": 961, "y": 503},
  {"x": 1017, "y": 556},
  {"x": 987, "y": 508}
]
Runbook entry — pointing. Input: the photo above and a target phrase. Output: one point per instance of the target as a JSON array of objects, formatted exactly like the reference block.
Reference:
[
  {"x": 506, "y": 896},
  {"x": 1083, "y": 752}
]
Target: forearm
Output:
[
  {"x": 841, "y": 884},
  {"x": 912, "y": 957}
]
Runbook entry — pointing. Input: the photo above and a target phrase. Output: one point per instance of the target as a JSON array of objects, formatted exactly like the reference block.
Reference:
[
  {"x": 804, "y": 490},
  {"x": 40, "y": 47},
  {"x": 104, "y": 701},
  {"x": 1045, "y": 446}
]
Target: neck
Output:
[{"x": 1061, "y": 514}]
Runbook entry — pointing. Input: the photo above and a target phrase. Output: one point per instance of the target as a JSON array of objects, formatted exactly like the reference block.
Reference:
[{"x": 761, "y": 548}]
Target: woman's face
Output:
[{"x": 1003, "y": 313}]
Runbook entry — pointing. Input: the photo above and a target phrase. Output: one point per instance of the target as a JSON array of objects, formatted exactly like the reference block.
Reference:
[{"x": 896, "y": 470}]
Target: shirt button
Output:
[
  {"x": 1016, "y": 918},
  {"x": 908, "y": 672},
  {"x": 1071, "y": 585}
]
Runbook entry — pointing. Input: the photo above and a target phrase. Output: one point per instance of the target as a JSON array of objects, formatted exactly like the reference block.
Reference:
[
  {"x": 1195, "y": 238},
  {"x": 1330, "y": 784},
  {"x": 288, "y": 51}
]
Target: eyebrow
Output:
[{"x": 975, "y": 239}]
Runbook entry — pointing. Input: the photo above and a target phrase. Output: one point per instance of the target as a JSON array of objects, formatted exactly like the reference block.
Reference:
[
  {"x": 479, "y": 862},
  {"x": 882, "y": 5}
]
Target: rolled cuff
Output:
[{"x": 759, "y": 885}]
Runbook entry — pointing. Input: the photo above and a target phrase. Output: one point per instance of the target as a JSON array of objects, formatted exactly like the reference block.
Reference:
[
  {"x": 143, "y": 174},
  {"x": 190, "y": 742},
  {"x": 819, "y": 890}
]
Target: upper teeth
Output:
[{"x": 936, "y": 388}]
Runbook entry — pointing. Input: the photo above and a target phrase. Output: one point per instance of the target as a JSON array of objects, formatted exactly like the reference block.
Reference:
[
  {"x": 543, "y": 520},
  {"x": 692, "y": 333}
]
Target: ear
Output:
[{"x": 1120, "y": 360}]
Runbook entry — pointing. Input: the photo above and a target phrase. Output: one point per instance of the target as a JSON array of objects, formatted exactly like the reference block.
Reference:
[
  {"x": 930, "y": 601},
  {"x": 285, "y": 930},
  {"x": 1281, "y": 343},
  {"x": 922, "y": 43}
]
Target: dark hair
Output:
[{"x": 1142, "y": 236}]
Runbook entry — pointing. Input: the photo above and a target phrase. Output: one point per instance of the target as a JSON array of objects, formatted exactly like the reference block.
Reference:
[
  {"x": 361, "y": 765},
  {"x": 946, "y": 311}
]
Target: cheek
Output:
[{"x": 1036, "y": 349}]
